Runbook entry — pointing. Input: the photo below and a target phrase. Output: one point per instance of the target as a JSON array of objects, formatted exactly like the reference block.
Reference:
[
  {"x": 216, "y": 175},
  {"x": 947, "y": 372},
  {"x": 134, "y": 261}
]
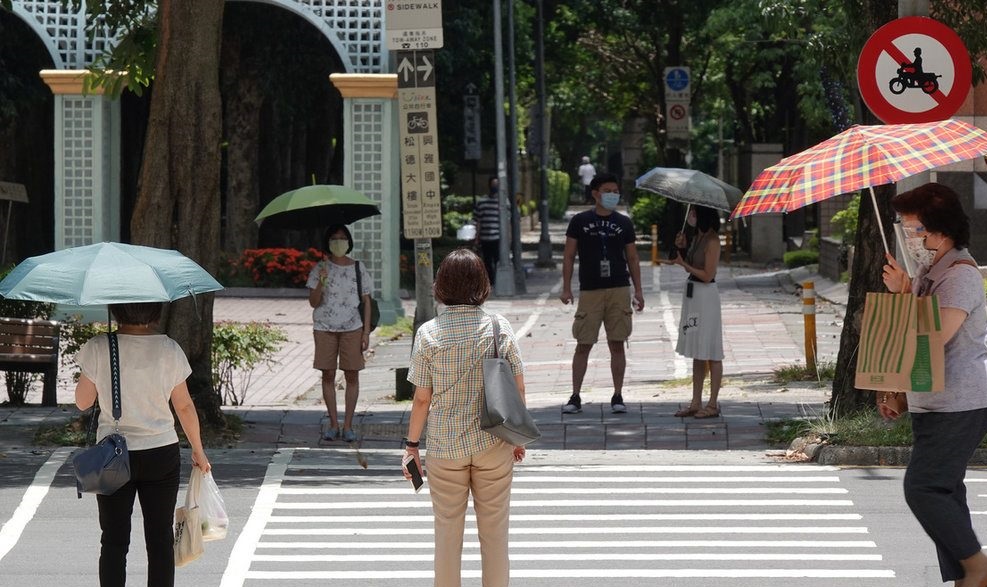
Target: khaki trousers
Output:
[{"x": 487, "y": 475}]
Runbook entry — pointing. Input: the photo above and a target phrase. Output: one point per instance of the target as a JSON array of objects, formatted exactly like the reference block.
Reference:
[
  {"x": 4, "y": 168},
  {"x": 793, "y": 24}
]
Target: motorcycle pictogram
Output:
[{"x": 910, "y": 75}]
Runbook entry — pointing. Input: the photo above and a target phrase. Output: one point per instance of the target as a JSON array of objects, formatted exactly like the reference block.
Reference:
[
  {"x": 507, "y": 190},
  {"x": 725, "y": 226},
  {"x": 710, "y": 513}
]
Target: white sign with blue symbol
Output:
[{"x": 678, "y": 94}]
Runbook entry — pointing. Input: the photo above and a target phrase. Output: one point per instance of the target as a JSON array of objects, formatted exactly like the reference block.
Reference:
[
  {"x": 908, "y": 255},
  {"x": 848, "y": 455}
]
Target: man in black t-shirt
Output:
[{"x": 608, "y": 262}]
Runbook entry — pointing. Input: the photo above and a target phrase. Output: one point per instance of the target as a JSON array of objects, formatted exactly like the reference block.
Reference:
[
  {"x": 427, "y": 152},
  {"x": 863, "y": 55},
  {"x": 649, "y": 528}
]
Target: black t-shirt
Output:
[{"x": 597, "y": 236}]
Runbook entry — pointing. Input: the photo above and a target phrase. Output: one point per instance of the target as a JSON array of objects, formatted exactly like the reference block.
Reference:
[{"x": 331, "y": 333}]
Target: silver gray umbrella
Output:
[{"x": 690, "y": 186}]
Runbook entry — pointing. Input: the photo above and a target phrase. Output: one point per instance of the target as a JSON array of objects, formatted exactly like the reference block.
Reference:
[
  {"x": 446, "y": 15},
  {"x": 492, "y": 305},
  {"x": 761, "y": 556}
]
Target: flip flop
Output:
[
  {"x": 687, "y": 412},
  {"x": 708, "y": 412}
]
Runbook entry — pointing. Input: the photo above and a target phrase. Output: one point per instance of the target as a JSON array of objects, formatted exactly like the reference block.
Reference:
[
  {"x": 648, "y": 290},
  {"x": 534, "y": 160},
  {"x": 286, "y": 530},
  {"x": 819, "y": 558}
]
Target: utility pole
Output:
[
  {"x": 515, "y": 171},
  {"x": 504, "y": 285},
  {"x": 544, "y": 241}
]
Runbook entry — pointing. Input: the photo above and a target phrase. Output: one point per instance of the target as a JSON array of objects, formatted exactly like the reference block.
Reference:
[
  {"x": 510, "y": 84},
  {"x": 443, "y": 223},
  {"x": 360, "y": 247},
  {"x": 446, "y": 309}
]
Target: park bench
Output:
[{"x": 31, "y": 346}]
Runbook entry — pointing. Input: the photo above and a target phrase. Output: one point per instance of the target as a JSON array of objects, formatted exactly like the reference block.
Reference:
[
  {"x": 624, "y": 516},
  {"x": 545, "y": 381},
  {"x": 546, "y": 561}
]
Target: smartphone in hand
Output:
[{"x": 416, "y": 476}]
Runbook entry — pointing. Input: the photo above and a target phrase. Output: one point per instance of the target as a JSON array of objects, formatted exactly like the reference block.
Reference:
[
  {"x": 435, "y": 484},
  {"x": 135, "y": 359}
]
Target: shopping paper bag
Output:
[
  {"x": 188, "y": 524},
  {"x": 901, "y": 344}
]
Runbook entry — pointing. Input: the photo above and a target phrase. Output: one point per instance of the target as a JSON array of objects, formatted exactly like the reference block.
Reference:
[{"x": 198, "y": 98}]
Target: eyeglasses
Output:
[{"x": 913, "y": 230}]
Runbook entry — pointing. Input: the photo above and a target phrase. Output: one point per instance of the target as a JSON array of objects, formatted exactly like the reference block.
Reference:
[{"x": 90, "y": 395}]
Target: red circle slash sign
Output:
[{"x": 914, "y": 69}]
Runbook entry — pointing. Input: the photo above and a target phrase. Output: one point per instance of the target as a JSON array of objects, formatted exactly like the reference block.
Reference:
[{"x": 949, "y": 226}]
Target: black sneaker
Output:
[
  {"x": 617, "y": 405},
  {"x": 574, "y": 406}
]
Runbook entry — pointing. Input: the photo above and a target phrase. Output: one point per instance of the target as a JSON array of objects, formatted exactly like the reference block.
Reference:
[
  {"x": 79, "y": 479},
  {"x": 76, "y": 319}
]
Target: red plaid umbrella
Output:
[{"x": 860, "y": 157}]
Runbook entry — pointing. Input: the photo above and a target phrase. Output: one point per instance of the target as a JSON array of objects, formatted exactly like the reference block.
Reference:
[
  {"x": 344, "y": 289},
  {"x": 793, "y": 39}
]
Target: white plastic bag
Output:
[
  {"x": 212, "y": 509},
  {"x": 188, "y": 526}
]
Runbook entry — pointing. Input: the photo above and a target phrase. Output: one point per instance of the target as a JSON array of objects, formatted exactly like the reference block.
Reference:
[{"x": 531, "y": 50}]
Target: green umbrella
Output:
[
  {"x": 316, "y": 206},
  {"x": 107, "y": 273}
]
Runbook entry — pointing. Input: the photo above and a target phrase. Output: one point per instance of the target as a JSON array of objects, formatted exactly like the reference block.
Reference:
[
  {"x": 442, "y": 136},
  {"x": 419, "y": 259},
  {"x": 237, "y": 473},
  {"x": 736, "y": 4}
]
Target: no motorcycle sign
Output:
[{"x": 914, "y": 69}]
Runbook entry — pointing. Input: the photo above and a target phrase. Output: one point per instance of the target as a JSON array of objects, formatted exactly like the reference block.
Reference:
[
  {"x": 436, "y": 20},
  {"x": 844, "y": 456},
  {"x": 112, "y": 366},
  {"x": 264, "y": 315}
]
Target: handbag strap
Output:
[
  {"x": 495, "y": 325},
  {"x": 111, "y": 337},
  {"x": 359, "y": 286}
]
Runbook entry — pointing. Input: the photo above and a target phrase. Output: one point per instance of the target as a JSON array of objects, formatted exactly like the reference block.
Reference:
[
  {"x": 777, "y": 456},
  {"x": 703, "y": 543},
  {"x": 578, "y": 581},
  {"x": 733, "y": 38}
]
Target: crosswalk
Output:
[{"x": 316, "y": 522}]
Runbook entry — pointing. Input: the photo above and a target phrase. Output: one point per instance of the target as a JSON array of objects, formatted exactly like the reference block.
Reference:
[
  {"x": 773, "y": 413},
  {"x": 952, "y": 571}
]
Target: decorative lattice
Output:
[
  {"x": 79, "y": 166},
  {"x": 355, "y": 27},
  {"x": 366, "y": 149}
]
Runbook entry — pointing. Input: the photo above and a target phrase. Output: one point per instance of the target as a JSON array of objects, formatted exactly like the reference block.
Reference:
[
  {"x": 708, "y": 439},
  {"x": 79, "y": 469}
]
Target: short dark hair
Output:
[
  {"x": 333, "y": 230},
  {"x": 706, "y": 219},
  {"x": 137, "y": 312},
  {"x": 939, "y": 209},
  {"x": 602, "y": 178},
  {"x": 461, "y": 279}
]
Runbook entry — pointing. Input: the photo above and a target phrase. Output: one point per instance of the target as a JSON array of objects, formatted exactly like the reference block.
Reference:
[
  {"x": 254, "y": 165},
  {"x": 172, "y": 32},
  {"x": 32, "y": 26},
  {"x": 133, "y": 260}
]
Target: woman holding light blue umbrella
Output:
[{"x": 134, "y": 281}]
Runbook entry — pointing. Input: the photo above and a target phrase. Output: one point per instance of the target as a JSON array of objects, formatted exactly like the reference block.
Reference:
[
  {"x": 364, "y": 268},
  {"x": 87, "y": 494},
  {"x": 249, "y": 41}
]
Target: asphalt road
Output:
[{"x": 311, "y": 517}]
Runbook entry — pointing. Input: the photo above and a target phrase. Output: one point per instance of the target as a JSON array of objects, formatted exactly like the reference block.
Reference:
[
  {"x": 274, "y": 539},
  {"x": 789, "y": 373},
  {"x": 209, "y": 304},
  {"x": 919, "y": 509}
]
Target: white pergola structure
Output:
[{"x": 87, "y": 128}]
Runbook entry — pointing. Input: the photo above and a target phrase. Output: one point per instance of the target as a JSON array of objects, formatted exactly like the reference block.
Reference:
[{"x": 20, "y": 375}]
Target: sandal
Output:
[
  {"x": 708, "y": 412},
  {"x": 687, "y": 412}
]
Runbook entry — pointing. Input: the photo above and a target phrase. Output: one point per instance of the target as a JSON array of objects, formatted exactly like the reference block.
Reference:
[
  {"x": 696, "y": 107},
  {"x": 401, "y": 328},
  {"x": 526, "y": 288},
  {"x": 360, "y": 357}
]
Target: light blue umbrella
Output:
[{"x": 107, "y": 273}]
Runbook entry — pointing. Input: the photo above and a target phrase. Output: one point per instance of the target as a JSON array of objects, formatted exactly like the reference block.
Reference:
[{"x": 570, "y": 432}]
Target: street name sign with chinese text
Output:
[
  {"x": 419, "y": 145},
  {"x": 471, "y": 124}
]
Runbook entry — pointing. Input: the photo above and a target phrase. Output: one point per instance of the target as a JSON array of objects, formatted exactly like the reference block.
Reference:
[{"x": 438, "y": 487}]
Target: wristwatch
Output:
[{"x": 411, "y": 444}]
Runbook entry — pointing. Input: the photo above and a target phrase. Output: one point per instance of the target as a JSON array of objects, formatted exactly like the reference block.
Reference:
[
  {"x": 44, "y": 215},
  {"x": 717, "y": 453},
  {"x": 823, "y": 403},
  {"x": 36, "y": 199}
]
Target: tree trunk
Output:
[
  {"x": 178, "y": 200},
  {"x": 868, "y": 259},
  {"x": 241, "y": 118}
]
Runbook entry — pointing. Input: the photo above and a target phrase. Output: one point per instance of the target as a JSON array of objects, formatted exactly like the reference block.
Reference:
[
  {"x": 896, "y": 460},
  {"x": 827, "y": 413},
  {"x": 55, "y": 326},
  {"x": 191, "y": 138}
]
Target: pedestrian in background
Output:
[
  {"x": 608, "y": 262},
  {"x": 486, "y": 216},
  {"x": 153, "y": 369},
  {"x": 463, "y": 460},
  {"x": 341, "y": 333},
  {"x": 586, "y": 174},
  {"x": 946, "y": 427},
  {"x": 700, "y": 325}
]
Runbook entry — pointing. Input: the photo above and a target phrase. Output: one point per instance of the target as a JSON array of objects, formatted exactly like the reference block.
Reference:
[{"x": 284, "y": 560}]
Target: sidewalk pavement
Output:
[{"x": 763, "y": 330}]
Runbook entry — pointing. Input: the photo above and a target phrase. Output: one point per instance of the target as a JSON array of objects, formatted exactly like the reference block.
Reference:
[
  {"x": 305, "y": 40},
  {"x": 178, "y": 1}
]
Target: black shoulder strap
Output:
[
  {"x": 359, "y": 286},
  {"x": 115, "y": 375}
]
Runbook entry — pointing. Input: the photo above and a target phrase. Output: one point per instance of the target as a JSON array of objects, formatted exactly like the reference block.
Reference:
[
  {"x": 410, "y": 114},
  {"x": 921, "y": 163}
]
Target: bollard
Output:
[
  {"x": 654, "y": 244},
  {"x": 809, "y": 314}
]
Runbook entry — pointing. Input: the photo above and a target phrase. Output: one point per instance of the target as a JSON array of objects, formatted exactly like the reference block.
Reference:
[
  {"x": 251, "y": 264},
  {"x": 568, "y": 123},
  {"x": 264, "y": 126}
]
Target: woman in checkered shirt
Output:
[{"x": 446, "y": 369}]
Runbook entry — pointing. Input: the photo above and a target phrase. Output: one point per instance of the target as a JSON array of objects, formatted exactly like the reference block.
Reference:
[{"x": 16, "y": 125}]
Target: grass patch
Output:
[
  {"x": 403, "y": 326},
  {"x": 864, "y": 428},
  {"x": 826, "y": 371},
  {"x": 73, "y": 433}
]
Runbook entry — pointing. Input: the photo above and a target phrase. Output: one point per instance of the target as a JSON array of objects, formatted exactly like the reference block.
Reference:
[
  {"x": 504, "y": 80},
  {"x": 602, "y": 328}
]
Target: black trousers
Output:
[
  {"x": 943, "y": 445},
  {"x": 154, "y": 477},
  {"x": 491, "y": 255}
]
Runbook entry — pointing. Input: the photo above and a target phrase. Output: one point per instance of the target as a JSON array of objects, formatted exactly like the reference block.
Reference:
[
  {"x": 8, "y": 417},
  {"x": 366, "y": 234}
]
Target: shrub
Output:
[
  {"x": 646, "y": 210},
  {"x": 270, "y": 268},
  {"x": 453, "y": 221},
  {"x": 846, "y": 220},
  {"x": 800, "y": 258},
  {"x": 19, "y": 382},
  {"x": 76, "y": 333},
  {"x": 237, "y": 349},
  {"x": 558, "y": 193}
]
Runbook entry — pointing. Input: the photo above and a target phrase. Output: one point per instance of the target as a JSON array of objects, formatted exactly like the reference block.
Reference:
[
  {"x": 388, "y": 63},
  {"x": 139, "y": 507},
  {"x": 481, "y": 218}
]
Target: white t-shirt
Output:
[
  {"x": 150, "y": 368},
  {"x": 337, "y": 312},
  {"x": 586, "y": 173}
]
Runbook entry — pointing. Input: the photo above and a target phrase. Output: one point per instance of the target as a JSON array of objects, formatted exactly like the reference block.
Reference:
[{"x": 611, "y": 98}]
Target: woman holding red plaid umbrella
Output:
[{"x": 946, "y": 427}]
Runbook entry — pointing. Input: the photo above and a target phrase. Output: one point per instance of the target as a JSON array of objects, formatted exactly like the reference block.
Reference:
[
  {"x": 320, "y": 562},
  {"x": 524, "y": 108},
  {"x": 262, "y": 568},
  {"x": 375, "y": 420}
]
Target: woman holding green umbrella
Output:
[{"x": 337, "y": 286}]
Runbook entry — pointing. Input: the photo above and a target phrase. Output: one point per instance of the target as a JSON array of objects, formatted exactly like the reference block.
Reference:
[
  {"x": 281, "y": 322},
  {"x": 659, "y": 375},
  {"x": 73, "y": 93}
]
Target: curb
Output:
[{"x": 878, "y": 456}]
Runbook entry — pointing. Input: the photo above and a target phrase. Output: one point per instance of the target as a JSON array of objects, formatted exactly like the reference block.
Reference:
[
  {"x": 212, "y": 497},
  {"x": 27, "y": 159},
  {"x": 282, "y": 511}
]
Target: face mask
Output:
[
  {"x": 915, "y": 246},
  {"x": 338, "y": 246},
  {"x": 609, "y": 200},
  {"x": 691, "y": 220}
]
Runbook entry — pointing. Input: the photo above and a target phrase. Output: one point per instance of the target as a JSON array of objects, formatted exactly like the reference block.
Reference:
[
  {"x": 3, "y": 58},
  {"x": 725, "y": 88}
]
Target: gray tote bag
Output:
[{"x": 504, "y": 414}]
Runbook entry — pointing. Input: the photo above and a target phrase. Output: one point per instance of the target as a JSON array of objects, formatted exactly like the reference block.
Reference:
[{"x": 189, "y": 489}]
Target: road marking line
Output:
[
  {"x": 593, "y": 480},
  {"x": 681, "y": 366},
  {"x": 238, "y": 568},
  {"x": 592, "y": 573},
  {"x": 559, "y": 544},
  {"x": 391, "y": 558},
  {"x": 11, "y": 531},
  {"x": 539, "y": 304},
  {"x": 581, "y": 530},
  {"x": 563, "y": 503},
  {"x": 521, "y": 469},
  {"x": 579, "y": 490},
  {"x": 371, "y": 519}
]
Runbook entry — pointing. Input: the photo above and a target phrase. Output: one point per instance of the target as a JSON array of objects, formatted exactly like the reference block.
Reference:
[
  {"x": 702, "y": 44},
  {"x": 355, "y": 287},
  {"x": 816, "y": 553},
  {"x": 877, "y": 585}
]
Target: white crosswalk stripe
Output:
[{"x": 572, "y": 526}]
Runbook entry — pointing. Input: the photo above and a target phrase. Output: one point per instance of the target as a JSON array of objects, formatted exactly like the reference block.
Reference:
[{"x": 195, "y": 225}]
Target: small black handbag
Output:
[
  {"x": 503, "y": 413},
  {"x": 104, "y": 467},
  {"x": 374, "y": 308}
]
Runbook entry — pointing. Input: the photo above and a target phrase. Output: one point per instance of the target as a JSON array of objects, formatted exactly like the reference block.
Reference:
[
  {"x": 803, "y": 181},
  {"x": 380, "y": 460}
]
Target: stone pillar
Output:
[
  {"x": 370, "y": 165},
  {"x": 87, "y": 162}
]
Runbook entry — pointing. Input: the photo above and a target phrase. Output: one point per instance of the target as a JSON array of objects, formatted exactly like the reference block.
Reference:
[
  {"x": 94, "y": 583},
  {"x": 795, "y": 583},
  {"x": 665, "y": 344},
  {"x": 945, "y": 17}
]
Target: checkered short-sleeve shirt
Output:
[{"x": 447, "y": 357}]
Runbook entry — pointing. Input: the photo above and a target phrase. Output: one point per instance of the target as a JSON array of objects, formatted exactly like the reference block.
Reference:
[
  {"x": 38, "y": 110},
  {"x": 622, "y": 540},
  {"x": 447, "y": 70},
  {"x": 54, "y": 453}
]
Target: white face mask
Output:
[
  {"x": 923, "y": 257},
  {"x": 338, "y": 246},
  {"x": 691, "y": 220},
  {"x": 609, "y": 200}
]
